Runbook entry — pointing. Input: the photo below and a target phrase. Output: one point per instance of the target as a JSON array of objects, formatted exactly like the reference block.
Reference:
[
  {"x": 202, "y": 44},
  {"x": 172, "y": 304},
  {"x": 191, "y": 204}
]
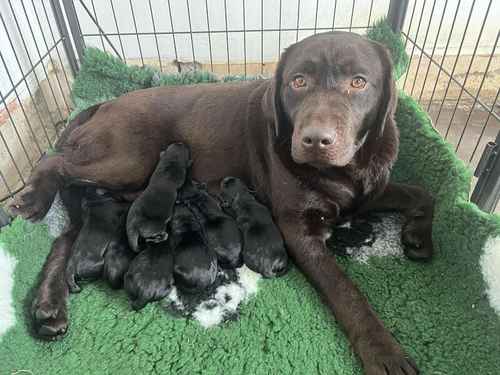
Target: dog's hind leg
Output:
[
  {"x": 46, "y": 179},
  {"x": 37, "y": 197}
]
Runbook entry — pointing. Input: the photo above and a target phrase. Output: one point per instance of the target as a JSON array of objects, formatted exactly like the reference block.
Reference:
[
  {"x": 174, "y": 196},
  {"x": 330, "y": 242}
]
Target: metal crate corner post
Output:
[
  {"x": 396, "y": 14},
  {"x": 486, "y": 194},
  {"x": 75, "y": 37},
  {"x": 66, "y": 36}
]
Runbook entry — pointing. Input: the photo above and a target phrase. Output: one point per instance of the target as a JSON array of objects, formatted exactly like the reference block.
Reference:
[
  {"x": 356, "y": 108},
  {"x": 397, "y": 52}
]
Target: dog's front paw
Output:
[
  {"x": 390, "y": 364},
  {"x": 417, "y": 236},
  {"x": 50, "y": 318},
  {"x": 385, "y": 357}
]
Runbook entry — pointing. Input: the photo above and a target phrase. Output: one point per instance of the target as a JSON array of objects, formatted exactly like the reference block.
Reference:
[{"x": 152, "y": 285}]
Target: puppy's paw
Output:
[
  {"x": 31, "y": 204},
  {"x": 269, "y": 265},
  {"x": 70, "y": 276},
  {"x": 154, "y": 237},
  {"x": 417, "y": 237},
  {"x": 50, "y": 318},
  {"x": 133, "y": 237},
  {"x": 72, "y": 284},
  {"x": 140, "y": 233}
]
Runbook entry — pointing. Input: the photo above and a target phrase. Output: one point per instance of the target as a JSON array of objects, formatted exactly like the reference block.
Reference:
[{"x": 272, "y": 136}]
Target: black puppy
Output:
[
  {"x": 195, "y": 264},
  {"x": 263, "y": 246},
  {"x": 103, "y": 224},
  {"x": 152, "y": 210},
  {"x": 221, "y": 230},
  {"x": 116, "y": 262},
  {"x": 149, "y": 277}
]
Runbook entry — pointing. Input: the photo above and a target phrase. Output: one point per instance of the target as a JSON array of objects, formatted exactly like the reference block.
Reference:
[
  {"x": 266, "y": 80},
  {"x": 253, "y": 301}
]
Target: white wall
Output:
[
  {"x": 487, "y": 40},
  {"x": 234, "y": 22},
  {"x": 271, "y": 21},
  {"x": 217, "y": 22}
]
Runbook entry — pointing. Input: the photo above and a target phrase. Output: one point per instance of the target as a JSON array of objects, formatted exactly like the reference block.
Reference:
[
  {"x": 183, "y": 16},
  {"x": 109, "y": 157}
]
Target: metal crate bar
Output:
[{"x": 447, "y": 73}]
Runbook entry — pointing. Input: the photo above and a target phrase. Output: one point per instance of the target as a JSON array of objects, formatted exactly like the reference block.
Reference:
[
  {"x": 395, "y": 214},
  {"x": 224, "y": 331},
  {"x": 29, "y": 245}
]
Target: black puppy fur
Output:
[
  {"x": 152, "y": 210},
  {"x": 263, "y": 246},
  {"x": 149, "y": 277},
  {"x": 116, "y": 262},
  {"x": 221, "y": 230},
  {"x": 103, "y": 222},
  {"x": 195, "y": 264}
]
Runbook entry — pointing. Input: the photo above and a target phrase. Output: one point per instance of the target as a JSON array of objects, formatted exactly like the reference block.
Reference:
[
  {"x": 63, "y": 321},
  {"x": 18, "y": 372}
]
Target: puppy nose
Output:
[{"x": 317, "y": 138}]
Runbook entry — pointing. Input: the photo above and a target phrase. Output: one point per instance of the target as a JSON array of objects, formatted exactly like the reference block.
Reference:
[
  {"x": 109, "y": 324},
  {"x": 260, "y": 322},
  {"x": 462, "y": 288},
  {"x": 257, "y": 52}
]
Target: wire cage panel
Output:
[
  {"x": 223, "y": 36},
  {"x": 454, "y": 69},
  {"x": 34, "y": 88}
]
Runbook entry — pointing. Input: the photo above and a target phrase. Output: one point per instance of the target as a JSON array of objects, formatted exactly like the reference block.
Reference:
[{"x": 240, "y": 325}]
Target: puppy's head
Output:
[
  {"x": 175, "y": 161},
  {"x": 103, "y": 221},
  {"x": 331, "y": 92},
  {"x": 183, "y": 221},
  {"x": 231, "y": 187},
  {"x": 178, "y": 152}
]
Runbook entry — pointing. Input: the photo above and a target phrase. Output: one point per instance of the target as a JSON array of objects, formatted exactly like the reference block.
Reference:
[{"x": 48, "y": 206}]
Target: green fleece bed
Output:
[{"x": 445, "y": 313}]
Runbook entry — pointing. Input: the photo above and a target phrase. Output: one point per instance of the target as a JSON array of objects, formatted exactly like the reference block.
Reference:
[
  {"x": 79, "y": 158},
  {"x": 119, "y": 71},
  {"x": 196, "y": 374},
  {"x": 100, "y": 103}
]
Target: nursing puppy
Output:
[
  {"x": 221, "y": 231},
  {"x": 195, "y": 264},
  {"x": 263, "y": 247},
  {"x": 149, "y": 277},
  {"x": 103, "y": 224},
  {"x": 151, "y": 211},
  {"x": 116, "y": 262}
]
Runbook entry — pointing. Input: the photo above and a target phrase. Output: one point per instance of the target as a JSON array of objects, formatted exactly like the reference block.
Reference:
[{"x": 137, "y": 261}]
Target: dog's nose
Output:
[{"x": 317, "y": 138}]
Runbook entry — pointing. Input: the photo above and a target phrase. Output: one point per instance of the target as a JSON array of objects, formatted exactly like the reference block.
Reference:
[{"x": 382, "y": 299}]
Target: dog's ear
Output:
[
  {"x": 387, "y": 106},
  {"x": 271, "y": 102},
  {"x": 271, "y": 105}
]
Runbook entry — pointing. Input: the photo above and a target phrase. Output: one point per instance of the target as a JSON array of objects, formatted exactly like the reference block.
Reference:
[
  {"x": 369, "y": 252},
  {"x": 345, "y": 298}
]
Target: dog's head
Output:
[{"x": 331, "y": 93}]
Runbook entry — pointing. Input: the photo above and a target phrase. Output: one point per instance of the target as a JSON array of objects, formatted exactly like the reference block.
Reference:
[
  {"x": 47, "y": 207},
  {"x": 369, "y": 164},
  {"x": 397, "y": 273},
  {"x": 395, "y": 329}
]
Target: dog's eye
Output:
[
  {"x": 298, "y": 82},
  {"x": 358, "y": 82}
]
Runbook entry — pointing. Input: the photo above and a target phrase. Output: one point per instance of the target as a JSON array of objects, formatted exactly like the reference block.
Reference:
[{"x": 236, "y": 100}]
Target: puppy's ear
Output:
[
  {"x": 388, "y": 103},
  {"x": 271, "y": 102}
]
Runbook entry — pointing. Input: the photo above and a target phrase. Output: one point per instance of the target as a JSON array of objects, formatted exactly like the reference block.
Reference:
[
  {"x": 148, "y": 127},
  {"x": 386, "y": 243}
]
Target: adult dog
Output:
[{"x": 317, "y": 143}]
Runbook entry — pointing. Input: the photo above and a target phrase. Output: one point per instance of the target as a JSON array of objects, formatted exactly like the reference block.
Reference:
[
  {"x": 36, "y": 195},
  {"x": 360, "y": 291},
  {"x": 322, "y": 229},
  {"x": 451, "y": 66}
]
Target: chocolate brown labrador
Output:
[{"x": 317, "y": 144}]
